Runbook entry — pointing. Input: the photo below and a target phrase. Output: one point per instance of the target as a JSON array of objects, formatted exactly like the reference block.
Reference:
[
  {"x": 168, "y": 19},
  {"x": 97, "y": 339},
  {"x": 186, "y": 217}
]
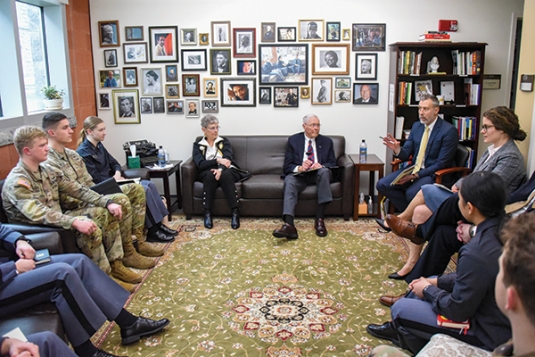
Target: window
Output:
[{"x": 34, "y": 52}]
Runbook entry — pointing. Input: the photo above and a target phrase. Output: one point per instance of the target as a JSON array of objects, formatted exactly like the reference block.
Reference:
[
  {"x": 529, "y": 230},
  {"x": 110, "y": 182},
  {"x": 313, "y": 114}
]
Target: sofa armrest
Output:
[
  {"x": 142, "y": 173},
  {"x": 347, "y": 179},
  {"x": 67, "y": 238},
  {"x": 49, "y": 240},
  {"x": 189, "y": 175}
]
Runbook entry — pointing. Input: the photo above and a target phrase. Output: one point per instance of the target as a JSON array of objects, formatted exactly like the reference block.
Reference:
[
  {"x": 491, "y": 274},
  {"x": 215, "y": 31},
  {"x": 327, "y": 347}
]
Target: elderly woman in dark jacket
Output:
[{"x": 214, "y": 159}]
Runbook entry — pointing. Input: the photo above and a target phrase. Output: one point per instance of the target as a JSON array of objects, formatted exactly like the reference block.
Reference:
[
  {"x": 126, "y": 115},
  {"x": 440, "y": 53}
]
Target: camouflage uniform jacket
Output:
[{"x": 34, "y": 197}]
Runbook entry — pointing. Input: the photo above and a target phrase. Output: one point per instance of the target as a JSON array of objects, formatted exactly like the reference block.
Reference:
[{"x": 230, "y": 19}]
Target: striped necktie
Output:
[
  {"x": 310, "y": 151},
  {"x": 421, "y": 152}
]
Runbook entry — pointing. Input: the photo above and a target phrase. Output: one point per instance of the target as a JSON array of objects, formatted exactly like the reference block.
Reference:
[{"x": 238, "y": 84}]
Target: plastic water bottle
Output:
[
  {"x": 363, "y": 157},
  {"x": 161, "y": 157},
  {"x": 166, "y": 155}
]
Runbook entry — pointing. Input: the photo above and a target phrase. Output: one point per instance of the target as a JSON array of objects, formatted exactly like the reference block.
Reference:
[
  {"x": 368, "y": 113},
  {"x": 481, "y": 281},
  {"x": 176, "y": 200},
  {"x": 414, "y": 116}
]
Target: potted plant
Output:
[{"x": 53, "y": 97}]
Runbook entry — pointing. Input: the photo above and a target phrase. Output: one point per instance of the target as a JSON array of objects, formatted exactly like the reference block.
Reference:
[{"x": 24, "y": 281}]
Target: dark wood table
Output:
[
  {"x": 164, "y": 174},
  {"x": 373, "y": 164}
]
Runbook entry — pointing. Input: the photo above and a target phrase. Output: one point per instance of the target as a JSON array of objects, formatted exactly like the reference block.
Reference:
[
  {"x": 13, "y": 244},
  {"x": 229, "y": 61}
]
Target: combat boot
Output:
[
  {"x": 133, "y": 259},
  {"x": 127, "y": 286},
  {"x": 119, "y": 271},
  {"x": 148, "y": 249}
]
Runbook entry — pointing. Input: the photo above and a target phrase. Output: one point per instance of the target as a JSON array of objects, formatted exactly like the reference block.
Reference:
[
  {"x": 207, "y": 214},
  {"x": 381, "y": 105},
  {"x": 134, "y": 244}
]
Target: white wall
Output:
[{"x": 487, "y": 21}]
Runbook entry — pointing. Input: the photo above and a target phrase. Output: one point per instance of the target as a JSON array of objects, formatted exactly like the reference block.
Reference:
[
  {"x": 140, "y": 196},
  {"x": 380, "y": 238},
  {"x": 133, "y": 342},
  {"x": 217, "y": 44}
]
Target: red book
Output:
[{"x": 445, "y": 322}]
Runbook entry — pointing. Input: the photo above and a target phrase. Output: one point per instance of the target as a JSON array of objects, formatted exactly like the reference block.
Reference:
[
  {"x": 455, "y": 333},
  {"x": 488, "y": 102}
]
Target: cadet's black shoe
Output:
[
  {"x": 167, "y": 230},
  {"x": 142, "y": 327},
  {"x": 159, "y": 236}
]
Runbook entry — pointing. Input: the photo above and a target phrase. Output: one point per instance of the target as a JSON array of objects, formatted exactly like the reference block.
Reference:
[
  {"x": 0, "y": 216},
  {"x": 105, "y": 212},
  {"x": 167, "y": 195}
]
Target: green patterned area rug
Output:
[{"x": 246, "y": 293}]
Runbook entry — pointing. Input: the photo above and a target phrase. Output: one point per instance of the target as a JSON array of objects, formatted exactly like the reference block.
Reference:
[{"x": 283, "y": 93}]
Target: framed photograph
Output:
[
  {"x": 146, "y": 105},
  {"x": 330, "y": 59},
  {"x": 283, "y": 64},
  {"x": 190, "y": 85},
  {"x": 108, "y": 33},
  {"x": 158, "y": 105},
  {"x": 172, "y": 91},
  {"x": 193, "y": 60},
  {"x": 286, "y": 97},
  {"x": 333, "y": 31},
  {"x": 110, "y": 78},
  {"x": 220, "y": 61},
  {"x": 322, "y": 89},
  {"x": 369, "y": 37},
  {"x": 220, "y": 33},
  {"x": 210, "y": 87},
  {"x": 246, "y": 67},
  {"x": 286, "y": 34},
  {"x": 311, "y": 30},
  {"x": 210, "y": 106},
  {"x": 135, "y": 53},
  {"x": 305, "y": 92},
  {"x": 244, "y": 44},
  {"x": 133, "y": 33},
  {"x": 238, "y": 92},
  {"x": 268, "y": 32},
  {"x": 175, "y": 106},
  {"x": 163, "y": 44},
  {"x": 130, "y": 76},
  {"x": 110, "y": 58},
  {"x": 365, "y": 93},
  {"x": 342, "y": 96},
  {"x": 188, "y": 37},
  {"x": 152, "y": 81},
  {"x": 171, "y": 73},
  {"x": 204, "y": 39},
  {"x": 264, "y": 95},
  {"x": 366, "y": 66},
  {"x": 346, "y": 34},
  {"x": 126, "y": 106},
  {"x": 342, "y": 82},
  {"x": 104, "y": 101},
  {"x": 192, "y": 108}
]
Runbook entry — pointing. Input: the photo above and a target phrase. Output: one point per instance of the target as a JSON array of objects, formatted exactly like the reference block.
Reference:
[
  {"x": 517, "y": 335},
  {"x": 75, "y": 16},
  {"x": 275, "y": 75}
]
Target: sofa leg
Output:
[
  {"x": 188, "y": 217},
  {"x": 346, "y": 217}
]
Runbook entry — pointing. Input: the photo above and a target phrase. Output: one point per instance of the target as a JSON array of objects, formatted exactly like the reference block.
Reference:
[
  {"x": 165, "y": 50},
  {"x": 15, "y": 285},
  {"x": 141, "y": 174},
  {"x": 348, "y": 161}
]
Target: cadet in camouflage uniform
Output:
[
  {"x": 72, "y": 165},
  {"x": 31, "y": 195}
]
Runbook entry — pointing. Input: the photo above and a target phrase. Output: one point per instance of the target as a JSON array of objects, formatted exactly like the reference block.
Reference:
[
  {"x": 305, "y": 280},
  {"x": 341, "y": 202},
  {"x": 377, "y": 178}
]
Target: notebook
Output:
[{"x": 107, "y": 187}]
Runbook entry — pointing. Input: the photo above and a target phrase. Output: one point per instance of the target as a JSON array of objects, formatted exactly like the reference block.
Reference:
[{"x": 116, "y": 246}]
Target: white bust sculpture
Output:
[{"x": 432, "y": 66}]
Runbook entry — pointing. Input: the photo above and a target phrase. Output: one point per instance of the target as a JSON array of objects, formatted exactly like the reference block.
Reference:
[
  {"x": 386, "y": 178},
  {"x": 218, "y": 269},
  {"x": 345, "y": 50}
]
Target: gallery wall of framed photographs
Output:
[{"x": 172, "y": 70}]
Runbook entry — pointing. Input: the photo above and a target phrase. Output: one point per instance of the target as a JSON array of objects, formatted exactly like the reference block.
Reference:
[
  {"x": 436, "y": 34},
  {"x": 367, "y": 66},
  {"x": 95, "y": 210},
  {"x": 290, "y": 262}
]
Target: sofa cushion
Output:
[
  {"x": 198, "y": 190},
  {"x": 42, "y": 317},
  {"x": 263, "y": 187}
]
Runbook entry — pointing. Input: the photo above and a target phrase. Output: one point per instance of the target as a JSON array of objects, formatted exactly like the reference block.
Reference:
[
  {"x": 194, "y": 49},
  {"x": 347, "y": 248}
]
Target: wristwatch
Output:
[{"x": 472, "y": 231}]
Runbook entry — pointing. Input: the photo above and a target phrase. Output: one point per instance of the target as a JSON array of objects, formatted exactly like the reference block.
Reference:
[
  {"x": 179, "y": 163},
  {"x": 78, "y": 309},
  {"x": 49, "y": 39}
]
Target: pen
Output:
[{"x": 390, "y": 141}]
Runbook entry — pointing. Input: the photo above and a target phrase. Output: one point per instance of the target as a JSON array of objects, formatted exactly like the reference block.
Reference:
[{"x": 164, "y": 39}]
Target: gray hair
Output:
[
  {"x": 209, "y": 119},
  {"x": 432, "y": 98},
  {"x": 307, "y": 117}
]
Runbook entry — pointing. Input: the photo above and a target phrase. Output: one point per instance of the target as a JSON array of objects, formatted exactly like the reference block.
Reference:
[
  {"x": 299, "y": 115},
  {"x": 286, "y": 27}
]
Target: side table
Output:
[
  {"x": 164, "y": 174},
  {"x": 373, "y": 164}
]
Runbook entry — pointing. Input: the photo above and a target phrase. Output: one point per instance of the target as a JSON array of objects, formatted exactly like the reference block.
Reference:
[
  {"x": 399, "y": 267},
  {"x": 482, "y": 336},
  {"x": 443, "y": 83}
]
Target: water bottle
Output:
[
  {"x": 363, "y": 157},
  {"x": 166, "y": 155},
  {"x": 370, "y": 205},
  {"x": 161, "y": 157}
]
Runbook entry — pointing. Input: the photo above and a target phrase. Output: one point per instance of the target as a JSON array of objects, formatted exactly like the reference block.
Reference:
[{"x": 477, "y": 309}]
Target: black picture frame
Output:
[
  {"x": 368, "y": 37},
  {"x": 174, "y": 106},
  {"x": 246, "y": 67},
  {"x": 365, "y": 66},
  {"x": 163, "y": 37},
  {"x": 287, "y": 34},
  {"x": 110, "y": 58},
  {"x": 333, "y": 31},
  {"x": 374, "y": 93},
  {"x": 133, "y": 33},
  {"x": 158, "y": 105},
  {"x": 264, "y": 95},
  {"x": 193, "y": 60},
  {"x": 135, "y": 53},
  {"x": 238, "y": 92},
  {"x": 286, "y": 97},
  {"x": 145, "y": 104},
  {"x": 290, "y": 72},
  {"x": 171, "y": 73},
  {"x": 216, "y": 53}
]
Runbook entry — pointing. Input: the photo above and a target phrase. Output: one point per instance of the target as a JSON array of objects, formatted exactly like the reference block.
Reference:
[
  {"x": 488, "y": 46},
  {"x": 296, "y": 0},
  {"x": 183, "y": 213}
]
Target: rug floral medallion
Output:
[{"x": 245, "y": 293}]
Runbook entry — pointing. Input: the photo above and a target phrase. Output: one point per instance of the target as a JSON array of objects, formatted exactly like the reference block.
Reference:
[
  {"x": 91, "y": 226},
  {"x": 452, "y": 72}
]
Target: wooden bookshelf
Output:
[{"x": 466, "y": 77}]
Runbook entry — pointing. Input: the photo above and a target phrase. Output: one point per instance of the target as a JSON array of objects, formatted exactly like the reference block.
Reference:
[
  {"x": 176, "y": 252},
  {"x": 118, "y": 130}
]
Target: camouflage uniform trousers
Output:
[
  {"x": 138, "y": 203},
  {"x": 104, "y": 245}
]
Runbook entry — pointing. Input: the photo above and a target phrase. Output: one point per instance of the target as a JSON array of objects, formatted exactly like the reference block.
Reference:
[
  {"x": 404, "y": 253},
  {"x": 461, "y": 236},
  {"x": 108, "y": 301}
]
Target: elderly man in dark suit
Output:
[
  {"x": 308, "y": 158},
  {"x": 432, "y": 144}
]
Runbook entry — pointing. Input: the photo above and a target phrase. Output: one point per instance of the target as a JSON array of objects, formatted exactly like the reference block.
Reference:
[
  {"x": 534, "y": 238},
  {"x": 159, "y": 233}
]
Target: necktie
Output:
[
  {"x": 310, "y": 151},
  {"x": 421, "y": 152}
]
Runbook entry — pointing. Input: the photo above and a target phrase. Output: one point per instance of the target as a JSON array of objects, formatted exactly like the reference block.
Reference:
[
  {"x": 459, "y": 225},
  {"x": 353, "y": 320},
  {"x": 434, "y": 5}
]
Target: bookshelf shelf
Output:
[{"x": 460, "y": 84}]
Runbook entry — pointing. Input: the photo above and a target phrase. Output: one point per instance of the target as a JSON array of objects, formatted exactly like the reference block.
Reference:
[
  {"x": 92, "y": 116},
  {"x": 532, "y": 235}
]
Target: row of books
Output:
[
  {"x": 435, "y": 36},
  {"x": 466, "y": 127},
  {"x": 471, "y": 92},
  {"x": 466, "y": 63},
  {"x": 447, "y": 91},
  {"x": 409, "y": 62}
]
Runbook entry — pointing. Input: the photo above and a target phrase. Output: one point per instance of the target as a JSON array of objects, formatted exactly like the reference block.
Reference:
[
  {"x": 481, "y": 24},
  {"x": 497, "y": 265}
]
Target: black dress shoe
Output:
[
  {"x": 235, "y": 220},
  {"x": 159, "y": 236},
  {"x": 385, "y": 331},
  {"x": 208, "y": 221},
  {"x": 101, "y": 353},
  {"x": 396, "y": 276},
  {"x": 319, "y": 226},
  {"x": 286, "y": 231},
  {"x": 381, "y": 223},
  {"x": 167, "y": 230},
  {"x": 142, "y": 327}
]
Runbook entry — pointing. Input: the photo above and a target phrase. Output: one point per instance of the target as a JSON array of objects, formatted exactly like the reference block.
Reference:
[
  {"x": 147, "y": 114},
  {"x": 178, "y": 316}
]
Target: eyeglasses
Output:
[
  {"x": 213, "y": 128},
  {"x": 486, "y": 127},
  {"x": 314, "y": 125}
]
